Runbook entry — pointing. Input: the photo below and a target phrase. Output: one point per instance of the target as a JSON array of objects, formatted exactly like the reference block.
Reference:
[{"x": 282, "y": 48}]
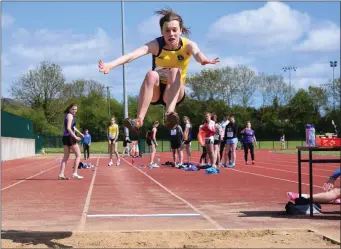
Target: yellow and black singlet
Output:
[{"x": 166, "y": 59}]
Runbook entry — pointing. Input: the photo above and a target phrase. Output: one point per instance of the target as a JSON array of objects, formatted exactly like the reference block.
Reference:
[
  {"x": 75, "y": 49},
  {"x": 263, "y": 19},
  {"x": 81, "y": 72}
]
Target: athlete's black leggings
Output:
[
  {"x": 222, "y": 146},
  {"x": 247, "y": 147},
  {"x": 86, "y": 149},
  {"x": 203, "y": 155}
]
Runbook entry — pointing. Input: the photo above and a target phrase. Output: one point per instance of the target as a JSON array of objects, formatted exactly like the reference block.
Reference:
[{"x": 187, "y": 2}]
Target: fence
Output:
[
  {"x": 17, "y": 136},
  {"x": 16, "y": 126},
  {"x": 53, "y": 143}
]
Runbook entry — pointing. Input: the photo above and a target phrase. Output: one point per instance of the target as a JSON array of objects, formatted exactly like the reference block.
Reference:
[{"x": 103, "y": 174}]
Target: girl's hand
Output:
[
  {"x": 104, "y": 67},
  {"x": 328, "y": 185},
  {"x": 207, "y": 61},
  {"x": 78, "y": 138}
]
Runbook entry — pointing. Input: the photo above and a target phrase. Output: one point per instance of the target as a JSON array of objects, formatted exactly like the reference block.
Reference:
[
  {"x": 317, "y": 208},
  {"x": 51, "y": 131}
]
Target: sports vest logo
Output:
[{"x": 180, "y": 57}]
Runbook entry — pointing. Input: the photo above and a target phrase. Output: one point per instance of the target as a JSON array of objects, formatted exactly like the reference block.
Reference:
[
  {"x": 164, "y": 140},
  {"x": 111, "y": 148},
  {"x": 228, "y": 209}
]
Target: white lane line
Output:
[
  {"x": 140, "y": 215},
  {"x": 213, "y": 222},
  {"x": 82, "y": 221},
  {"x": 28, "y": 178},
  {"x": 25, "y": 165}
]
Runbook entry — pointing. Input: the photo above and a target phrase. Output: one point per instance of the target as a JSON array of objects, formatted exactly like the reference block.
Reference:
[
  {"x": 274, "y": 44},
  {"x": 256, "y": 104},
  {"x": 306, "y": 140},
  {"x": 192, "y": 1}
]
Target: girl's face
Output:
[
  {"x": 186, "y": 120},
  {"x": 112, "y": 121},
  {"x": 248, "y": 125},
  {"x": 171, "y": 32},
  {"x": 208, "y": 117},
  {"x": 73, "y": 110}
]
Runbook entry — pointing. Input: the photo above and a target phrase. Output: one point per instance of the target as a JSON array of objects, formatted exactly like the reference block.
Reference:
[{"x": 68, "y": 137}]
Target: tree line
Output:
[{"x": 42, "y": 94}]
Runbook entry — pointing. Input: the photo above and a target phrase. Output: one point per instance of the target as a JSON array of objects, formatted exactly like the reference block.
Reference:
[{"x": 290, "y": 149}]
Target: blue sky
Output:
[{"x": 264, "y": 36}]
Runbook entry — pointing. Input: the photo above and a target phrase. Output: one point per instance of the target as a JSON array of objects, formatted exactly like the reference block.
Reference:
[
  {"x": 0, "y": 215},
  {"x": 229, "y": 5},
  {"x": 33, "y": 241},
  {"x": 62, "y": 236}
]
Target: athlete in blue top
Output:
[{"x": 86, "y": 141}]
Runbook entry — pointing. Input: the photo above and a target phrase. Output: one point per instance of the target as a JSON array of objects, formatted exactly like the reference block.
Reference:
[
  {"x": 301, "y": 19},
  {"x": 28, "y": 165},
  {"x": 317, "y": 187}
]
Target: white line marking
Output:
[
  {"x": 276, "y": 178},
  {"x": 293, "y": 172},
  {"x": 82, "y": 221},
  {"x": 253, "y": 166},
  {"x": 303, "y": 165},
  {"x": 213, "y": 222},
  {"x": 28, "y": 178},
  {"x": 140, "y": 215},
  {"x": 27, "y": 164}
]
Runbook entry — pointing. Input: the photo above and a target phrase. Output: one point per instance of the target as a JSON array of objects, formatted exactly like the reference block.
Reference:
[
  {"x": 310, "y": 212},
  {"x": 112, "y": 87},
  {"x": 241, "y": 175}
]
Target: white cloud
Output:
[
  {"x": 231, "y": 61},
  {"x": 84, "y": 71},
  {"x": 273, "y": 24},
  {"x": 314, "y": 74},
  {"x": 61, "y": 46},
  {"x": 7, "y": 20},
  {"x": 305, "y": 82},
  {"x": 314, "y": 70},
  {"x": 150, "y": 27},
  {"x": 322, "y": 39},
  {"x": 76, "y": 53},
  {"x": 5, "y": 61}
]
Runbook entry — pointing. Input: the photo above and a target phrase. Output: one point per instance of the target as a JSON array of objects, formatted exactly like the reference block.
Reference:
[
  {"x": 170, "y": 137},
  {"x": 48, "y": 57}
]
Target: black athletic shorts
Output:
[
  {"x": 69, "y": 140},
  {"x": 187, "y": 142},
  {"x": 160, "y": 100},
  {"x": 175, "y": 145}
]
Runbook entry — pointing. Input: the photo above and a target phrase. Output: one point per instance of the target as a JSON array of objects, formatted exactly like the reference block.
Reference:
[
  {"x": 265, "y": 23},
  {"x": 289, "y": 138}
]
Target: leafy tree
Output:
[{"x": 41, "y": 88}]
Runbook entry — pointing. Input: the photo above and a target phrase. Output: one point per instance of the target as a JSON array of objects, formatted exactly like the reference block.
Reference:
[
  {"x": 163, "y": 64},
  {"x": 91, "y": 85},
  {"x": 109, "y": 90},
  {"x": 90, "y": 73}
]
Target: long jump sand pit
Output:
[{"x": 267, "y": 238}]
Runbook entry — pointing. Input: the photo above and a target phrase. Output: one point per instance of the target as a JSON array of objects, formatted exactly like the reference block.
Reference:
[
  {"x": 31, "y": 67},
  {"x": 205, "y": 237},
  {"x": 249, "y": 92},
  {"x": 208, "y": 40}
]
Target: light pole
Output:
[
  {"x": 125, "y": 101},
  {"x": 333, "y": 65},
  {"x": 108, "y": 99},
  {"x": 289, "y": 68},
  {"x": 262, "y": 87}
]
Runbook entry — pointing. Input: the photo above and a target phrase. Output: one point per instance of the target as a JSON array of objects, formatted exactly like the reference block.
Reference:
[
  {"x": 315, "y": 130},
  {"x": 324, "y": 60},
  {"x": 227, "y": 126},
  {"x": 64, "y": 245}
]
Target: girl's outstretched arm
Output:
[
  {"x": 150, "y": 47},
  {"x": 199, "y": 56}
]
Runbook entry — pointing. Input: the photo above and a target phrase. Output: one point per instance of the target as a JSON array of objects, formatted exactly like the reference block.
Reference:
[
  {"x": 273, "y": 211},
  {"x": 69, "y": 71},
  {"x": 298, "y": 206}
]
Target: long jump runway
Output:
[{"x": 131, "y": 197}]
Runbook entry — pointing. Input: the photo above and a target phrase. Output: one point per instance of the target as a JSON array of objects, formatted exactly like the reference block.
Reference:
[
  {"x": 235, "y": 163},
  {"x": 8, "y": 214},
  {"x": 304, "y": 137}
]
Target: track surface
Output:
[{"x": 249, "y": 196}]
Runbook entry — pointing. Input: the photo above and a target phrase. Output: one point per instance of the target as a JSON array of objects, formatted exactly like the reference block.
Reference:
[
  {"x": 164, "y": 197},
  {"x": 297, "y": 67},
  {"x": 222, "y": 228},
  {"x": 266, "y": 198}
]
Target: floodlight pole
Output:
[
  {"x": 125, "y": 101},
  {"x": 333, "y": 64},
  {"x": 289, "y": 68}
]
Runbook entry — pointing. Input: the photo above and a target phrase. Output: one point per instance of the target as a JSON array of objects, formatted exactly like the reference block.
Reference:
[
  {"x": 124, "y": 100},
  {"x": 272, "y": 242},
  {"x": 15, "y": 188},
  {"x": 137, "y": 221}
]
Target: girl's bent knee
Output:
[{"x": 152, "y": 76}]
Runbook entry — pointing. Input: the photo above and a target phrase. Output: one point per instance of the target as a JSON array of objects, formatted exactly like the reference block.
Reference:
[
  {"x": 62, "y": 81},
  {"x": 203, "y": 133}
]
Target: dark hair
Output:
[
  {"x": 67, "y": 110},
  {"x": 208, "y": 114},
  {"x": 214, "y": 117},
  {"x": 169, "y": 15},
  {"x": 187, "y": 118}
]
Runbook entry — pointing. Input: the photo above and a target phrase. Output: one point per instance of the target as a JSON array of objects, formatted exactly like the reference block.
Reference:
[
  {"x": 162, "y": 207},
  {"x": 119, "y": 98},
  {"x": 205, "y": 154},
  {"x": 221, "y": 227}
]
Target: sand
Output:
[{"x": 279, "y": 238}]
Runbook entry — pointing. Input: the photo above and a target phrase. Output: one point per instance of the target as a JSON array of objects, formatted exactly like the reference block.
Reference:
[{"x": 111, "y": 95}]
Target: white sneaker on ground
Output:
[{"x": 76, "y": 176}]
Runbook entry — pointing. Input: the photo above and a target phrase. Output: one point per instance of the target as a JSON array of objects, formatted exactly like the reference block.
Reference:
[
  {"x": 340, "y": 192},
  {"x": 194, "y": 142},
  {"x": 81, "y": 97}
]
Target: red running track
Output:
[{"x": 249, "y": 196}]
